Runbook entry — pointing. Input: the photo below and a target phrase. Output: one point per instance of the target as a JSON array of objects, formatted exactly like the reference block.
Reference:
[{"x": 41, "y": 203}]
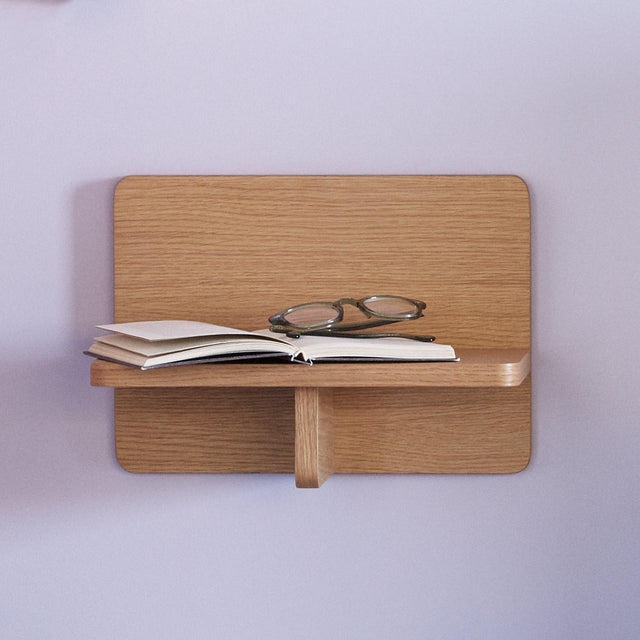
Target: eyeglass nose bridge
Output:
[{"x": 358, "y": 304}]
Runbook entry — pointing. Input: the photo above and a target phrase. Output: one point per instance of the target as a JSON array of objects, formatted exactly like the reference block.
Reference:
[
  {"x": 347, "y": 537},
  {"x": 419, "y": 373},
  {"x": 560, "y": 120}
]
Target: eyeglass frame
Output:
[{"x": 279, "y": 324}]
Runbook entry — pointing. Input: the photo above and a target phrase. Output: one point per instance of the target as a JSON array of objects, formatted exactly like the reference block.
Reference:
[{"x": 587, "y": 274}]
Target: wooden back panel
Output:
[{"x": 232, "y": 250}]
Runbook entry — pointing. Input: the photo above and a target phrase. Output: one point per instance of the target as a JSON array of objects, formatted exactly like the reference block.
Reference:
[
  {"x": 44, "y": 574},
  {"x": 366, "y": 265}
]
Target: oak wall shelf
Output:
[
  {"x": 232, "y": 250},
  {"x": 477, "y": 368}
]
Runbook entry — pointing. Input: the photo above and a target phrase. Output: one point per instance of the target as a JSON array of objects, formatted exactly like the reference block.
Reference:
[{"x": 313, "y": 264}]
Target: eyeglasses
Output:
[{"x": 326, "y": 318}]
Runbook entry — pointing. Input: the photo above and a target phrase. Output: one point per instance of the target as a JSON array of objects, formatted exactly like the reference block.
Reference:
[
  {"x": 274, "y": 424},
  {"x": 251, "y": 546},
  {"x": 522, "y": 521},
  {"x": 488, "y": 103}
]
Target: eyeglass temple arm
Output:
[{"x": 349, "y": 334}]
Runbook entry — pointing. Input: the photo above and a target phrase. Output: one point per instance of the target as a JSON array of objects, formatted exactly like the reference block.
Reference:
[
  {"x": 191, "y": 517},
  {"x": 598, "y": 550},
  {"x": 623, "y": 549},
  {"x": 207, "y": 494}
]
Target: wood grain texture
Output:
[
  {"x": 205, "y": 430},
  {"x": 233, "y": 250},
  {"x": 373, "y": 430},
  {"x": 313, "y": 436},
  {"x": 432, "y": 430},
  {"x": 476, "y": 368}
]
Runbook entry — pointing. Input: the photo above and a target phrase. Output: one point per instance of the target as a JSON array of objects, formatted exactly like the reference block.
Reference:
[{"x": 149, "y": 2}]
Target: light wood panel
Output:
[
  {"x": 432, "y": 430},
  {"x": 205, "y": 430},
  {"x": 233, "y": 250},
  {"x": 371, "y": 431},
  {"x": 314, "y": 435},
  {"x": 476, "y": 368}
]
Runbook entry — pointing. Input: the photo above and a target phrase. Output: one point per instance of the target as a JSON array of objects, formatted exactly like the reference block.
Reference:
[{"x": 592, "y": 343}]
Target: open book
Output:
[{"x": 169, "y": 342}]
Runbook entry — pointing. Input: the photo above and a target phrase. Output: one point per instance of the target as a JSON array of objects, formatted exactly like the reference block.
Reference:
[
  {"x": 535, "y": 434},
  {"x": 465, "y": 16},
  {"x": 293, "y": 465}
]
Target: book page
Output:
[
  {"x": 315, "y": 347},
  {"x": 170, "y": 329},
  {"x": 213, "y": 344}
]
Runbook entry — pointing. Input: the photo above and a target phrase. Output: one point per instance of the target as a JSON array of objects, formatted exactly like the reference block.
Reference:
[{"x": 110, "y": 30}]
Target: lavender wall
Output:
[{"x": 93, "y": 91}]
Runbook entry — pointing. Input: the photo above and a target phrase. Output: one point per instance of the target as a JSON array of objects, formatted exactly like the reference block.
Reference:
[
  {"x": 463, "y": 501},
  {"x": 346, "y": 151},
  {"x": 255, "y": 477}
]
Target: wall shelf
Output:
[
  {"x": 232, "y": 250},
  {"x": 477, "y": 368}
]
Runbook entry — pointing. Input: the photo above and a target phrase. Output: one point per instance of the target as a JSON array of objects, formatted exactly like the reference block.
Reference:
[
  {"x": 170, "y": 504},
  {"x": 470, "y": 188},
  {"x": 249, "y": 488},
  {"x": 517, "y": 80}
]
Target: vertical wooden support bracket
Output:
[{"x": 314, "y": 436}]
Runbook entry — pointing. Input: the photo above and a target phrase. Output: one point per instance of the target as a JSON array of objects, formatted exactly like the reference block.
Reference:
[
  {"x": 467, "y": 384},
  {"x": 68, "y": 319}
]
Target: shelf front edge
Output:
[{"x": 476, "y": 368}]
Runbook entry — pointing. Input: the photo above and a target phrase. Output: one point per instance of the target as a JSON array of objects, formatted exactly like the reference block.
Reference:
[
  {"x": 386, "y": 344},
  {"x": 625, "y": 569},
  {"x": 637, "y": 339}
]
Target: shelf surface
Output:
[{"x": 476, "y": 368}]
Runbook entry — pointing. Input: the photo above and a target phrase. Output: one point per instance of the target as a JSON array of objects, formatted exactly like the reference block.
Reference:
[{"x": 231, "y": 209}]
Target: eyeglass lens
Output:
[
  {"x": 312, "y": 315},
  {"x": 391, "y": 307},
  {"x": 318, "y": 314}
]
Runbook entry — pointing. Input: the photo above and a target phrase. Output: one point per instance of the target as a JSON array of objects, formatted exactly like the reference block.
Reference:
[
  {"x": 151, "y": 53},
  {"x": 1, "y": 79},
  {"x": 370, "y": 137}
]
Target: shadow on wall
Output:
[
  {"x": 92, "y": 245},
  {"x": 52, "y": 433},
  {"x": 58, "y": 451}
]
